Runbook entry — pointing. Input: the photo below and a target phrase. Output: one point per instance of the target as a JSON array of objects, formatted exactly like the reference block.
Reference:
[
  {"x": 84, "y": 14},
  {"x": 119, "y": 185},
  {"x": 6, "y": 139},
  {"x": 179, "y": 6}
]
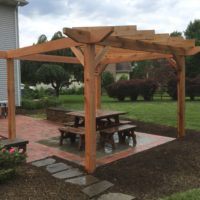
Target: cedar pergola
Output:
[{"x": 95, "y": 48}]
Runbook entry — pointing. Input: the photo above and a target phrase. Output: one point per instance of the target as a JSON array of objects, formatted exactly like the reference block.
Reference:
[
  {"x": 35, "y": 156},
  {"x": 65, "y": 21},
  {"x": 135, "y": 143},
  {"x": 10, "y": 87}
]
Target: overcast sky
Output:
[{"x": 49, "y": 16}]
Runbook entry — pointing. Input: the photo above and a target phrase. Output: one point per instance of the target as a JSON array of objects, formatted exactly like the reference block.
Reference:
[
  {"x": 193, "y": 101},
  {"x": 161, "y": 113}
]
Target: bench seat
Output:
[
  {"x": 122, "y": 122},
  {"x": 68, "y": 124},
  {"x": 19, "y": 143},
  {"x": 71, "y": 132},
  {"x": 122, "y": 130}
]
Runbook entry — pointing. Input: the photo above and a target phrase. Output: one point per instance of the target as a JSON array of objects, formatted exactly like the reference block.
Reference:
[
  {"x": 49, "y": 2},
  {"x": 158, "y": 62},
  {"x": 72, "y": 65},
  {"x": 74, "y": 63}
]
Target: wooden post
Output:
[
  {"x": 11, "y": 99},
  {"x": 98, "y": 91},
  {"x": 90, "y": 115},
  {"x": 180, "y": 60}
]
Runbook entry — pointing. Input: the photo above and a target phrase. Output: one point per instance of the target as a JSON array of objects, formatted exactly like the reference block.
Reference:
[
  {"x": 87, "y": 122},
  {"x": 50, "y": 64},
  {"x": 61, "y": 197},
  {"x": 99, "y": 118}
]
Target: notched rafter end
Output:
[{"x": 88, "y": 36}]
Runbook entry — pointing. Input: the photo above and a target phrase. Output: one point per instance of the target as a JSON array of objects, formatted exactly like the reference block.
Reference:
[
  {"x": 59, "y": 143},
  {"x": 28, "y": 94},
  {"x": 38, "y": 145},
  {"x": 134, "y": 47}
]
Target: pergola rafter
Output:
[
  {"x": 50, "y": 58},
  {"x": 95, "y": 48},
  {"x": 63, "y": 43}
]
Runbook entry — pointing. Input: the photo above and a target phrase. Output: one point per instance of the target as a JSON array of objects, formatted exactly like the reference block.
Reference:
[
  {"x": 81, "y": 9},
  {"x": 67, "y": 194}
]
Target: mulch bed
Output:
[{"x": 149, "y": 175}]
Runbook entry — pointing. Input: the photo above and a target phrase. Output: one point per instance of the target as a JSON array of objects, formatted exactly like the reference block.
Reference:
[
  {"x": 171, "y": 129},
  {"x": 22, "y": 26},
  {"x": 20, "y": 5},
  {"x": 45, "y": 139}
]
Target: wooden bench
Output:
[
  {"x": 19, "y": 143},
  {"x": 68, "y": 124},
  {"x": 122, "y": 122},
  {"x": 72, "y": 132},
  {"x": 106, "y": 135},
  {"x": 109, "y": 122}
]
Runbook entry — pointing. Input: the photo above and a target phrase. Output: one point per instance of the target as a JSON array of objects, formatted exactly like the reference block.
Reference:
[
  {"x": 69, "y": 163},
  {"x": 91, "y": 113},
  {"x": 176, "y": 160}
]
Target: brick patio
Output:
[{"x": 38, "y": 129}]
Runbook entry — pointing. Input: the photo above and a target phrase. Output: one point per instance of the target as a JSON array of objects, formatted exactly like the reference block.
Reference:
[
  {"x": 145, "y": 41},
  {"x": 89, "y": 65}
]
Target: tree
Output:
[
  {"x": 193, "y": 62},
  {"x": 54, "y": 75},
  {"x": 176, "y": 34},
  {"x": 140, "y": 69},
  {"x": 123, "y": 77},
  {"x": 29, "y": 68},
  {"x": 107, "y": 78}
]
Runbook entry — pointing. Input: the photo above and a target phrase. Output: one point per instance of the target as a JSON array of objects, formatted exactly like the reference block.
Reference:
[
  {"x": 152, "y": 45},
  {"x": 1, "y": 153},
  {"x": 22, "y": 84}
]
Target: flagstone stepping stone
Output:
[
  {"x": 43, "y": 162},
  {"x": 70, "y": 173},
  {"x": 57, "y": 167},
  {"x": 83, "y": 180},
  {"x": 97, "y": 188},
  {"x": 116, "y": 196}
]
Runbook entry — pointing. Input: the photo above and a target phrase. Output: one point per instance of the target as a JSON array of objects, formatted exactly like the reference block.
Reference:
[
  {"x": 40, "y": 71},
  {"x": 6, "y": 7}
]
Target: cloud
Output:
[{"x": 49, "y": 16}]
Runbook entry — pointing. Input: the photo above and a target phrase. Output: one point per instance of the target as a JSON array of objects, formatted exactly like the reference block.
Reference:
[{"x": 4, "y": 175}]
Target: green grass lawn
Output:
[
  {"x": 157, "y": 111},
  {"x": 189, "y": 195}
]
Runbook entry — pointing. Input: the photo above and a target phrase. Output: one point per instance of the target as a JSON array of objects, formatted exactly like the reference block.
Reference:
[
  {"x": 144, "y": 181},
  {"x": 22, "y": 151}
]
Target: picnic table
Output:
[
  {"x": 107, "y": 123},
  {"x": 102, "y": 116}
]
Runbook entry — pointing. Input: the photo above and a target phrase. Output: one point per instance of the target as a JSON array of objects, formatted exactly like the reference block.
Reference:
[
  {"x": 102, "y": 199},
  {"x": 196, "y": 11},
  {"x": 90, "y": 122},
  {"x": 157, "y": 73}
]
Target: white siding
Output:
[{"x": 9, "y": 40}]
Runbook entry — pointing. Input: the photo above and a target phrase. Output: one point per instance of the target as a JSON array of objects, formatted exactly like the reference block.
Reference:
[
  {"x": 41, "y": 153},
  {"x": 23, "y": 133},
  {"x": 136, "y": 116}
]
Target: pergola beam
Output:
[
  {"x": 139, "y": 45},
  {"x": 134, "y": 57},
  {"x": 42, "y": 48},
  {"x": 193, "y": 51},
  {"x": 3, "y": 54},
  {"x": 87, "y": 37},
  {"x": 117, "y": 30},
  {"x": 51, "y": 58},
  {"x": 100, "y": 55},
  {"x": 79, "y": 54}
]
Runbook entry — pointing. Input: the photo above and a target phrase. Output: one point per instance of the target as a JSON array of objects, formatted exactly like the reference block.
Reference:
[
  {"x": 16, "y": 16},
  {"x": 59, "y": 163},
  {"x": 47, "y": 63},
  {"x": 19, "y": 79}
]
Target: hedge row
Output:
[
  {"x": 192, "y": 88},
  {"x": 31, "y": 104},
  {"x": 132, "y": 89}
]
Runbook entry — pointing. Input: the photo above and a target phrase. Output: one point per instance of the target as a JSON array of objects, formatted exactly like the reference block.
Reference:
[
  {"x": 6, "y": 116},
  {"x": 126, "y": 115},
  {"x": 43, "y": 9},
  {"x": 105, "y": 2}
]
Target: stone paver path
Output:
[
  {"x": 116, "y": 196},
  {"x": 73, "y": 172},
  {"x": 57, "y": 167},
  {"x": 93, "y": 186},
  {"x": 44, "y": 162},
  {"x": 83, "y": 180},
  {"x": 97, "y": 188}
]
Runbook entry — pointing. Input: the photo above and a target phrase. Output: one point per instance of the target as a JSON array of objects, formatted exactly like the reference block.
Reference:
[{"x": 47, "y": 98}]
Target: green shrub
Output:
[
  {"x": 147, "y": 89},
  {"x": 80, "y": 91},
  {"x": 123, "y": 77},
  {"x": 192, "y": 88},
  {"x": 40, "y": 103},
  {"x": 29, "y": 93},
  {"x": 9, "y": 160},
  {"x": 107, "y": 78},
  {"x": 132, "y": 89}
]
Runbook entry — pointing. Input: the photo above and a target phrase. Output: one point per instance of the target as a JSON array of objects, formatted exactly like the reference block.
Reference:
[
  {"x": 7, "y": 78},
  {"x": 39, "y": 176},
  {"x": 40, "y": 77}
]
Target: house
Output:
[
  {"x": 9, "y": 39},
  {"x": 120, "y": 69}
]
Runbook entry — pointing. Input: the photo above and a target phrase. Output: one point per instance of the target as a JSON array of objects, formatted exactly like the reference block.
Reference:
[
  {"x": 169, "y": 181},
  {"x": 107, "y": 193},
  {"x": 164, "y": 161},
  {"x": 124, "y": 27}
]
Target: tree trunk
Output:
[{"x": 57, "y": 89}]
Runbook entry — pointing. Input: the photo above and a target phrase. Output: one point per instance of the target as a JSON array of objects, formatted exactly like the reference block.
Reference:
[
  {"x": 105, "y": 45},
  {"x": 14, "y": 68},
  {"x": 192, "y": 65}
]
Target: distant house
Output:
[
  {"x": 120, "y": 69},
  {"x": 9, "y": 39}
]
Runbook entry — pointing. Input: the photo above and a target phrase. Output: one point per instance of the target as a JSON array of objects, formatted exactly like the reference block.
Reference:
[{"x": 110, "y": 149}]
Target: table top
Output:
[{"x": 99, "y": 113}]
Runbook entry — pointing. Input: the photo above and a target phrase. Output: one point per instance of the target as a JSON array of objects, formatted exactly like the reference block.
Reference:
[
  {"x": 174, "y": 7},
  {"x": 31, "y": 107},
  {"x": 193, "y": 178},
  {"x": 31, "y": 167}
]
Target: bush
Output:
[
  {"x": 172, "y": 88},
  {"x": 132, "y": 89},
  {"x": 73, "y": 91},
  {"x": 107, "y": 78},
  {"x": 9, "y": 160},
  {"x": 147, "y": 89},
  {"x": 40, "y": 103},
  {"x": 29, "y": 93},
  {"x": 192, "y": 88},
  {"x": 123, "y": 77}
]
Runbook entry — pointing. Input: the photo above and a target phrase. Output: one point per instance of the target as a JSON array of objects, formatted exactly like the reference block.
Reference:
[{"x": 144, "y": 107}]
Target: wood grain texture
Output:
[
  {"x": 11, "y": 99},
  {"x": 90, "y": 116}
]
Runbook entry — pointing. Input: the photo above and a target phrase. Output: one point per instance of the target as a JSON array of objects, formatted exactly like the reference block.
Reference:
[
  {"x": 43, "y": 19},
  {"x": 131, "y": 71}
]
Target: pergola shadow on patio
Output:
[{"x": 95, "y": 48}]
